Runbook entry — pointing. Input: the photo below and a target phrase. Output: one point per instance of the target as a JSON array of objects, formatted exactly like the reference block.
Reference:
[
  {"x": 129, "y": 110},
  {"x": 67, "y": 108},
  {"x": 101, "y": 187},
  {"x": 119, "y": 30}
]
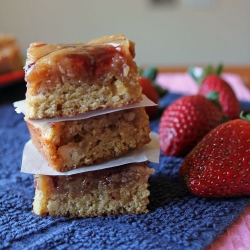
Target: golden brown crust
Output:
[
  {"x": 72, "y": 144},
  {"x": 114, "y": 191}
]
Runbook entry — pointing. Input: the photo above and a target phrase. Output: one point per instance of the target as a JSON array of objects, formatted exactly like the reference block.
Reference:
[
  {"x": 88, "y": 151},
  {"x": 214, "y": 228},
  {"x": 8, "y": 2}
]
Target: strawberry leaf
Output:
[
  {"x": 191, "y": 72},
  {"x": 244, "y": 117},
  {"x": 213, "y": 96},
  {"x": 219, "y": 69},
  {"x": 161, "y": 92},
  {"x": 208, "y": 70},
  {"x": 151, "y": 74}
]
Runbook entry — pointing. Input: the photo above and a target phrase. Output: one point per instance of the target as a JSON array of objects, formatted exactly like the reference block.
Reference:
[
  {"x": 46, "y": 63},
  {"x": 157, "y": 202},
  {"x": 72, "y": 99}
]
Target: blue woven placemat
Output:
[{"x": 177, "y": 219}]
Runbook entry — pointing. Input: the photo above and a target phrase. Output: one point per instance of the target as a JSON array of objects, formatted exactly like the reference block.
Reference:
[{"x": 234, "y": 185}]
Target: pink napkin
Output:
[
  {"x": 237, "y": 236},
  {"x": 183, "y": 83}
]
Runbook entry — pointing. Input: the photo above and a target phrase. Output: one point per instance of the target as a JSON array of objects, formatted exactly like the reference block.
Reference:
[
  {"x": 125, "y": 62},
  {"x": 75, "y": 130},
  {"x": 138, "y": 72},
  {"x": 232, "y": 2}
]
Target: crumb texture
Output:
[
  {"x": 72, "y": 144},
  {"x": 114, "y": 191}
]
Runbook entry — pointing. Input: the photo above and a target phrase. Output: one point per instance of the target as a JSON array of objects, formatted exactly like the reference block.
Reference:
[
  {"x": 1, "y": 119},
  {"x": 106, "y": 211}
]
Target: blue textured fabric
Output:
[{"x": 177, "y": 219}]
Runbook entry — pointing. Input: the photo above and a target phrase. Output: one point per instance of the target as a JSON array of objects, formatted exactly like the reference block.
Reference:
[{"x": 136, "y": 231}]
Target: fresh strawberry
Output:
[
  {"x": 228, "y": 100},
  {"x": 185, "y": 122},
  {"x": 151, "y": 73},
  {"x": 211, "y": 80},
  {"x": 219, "y": 166},
  {"x": 149, "y": 91}
]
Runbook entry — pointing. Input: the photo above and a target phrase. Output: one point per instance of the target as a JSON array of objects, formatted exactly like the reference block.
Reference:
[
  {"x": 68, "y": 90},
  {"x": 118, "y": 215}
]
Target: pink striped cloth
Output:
[
  {"x": 237, "y": 236},
  {"x": 183, "y": 83}
]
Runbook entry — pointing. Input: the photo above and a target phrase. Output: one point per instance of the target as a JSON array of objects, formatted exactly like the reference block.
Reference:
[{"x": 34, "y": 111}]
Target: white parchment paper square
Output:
[{"x": 20, "y": 108}]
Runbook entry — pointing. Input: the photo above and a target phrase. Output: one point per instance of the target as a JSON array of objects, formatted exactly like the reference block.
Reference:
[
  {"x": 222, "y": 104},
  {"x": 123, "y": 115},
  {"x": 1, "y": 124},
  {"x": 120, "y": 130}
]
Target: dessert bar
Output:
[
  {"x": 70, "y": 79},
  {"x": 71, "y": 144},
  {"x": 113, "y": 191},
  {"x": 10, "y": 54}
]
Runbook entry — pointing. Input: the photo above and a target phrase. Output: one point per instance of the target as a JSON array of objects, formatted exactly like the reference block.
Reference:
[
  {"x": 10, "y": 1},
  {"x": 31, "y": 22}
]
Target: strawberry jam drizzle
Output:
[{"x": 96, "y": 60}]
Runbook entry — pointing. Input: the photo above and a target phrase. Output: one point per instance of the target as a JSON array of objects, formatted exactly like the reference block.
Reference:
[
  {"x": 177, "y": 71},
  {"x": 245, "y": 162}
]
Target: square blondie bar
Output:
[{"x": 70, "y": 79}]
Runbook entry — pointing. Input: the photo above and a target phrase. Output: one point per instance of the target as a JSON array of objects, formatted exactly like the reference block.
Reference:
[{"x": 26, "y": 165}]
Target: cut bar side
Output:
[
  {"x": 71, "y": 144},
  {"x": 114, "y": 191}
]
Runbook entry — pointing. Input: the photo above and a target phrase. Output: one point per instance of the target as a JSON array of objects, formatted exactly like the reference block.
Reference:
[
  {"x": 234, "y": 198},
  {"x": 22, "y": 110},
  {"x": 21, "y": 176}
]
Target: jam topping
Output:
[
  {"x": 95, "y": 61},
  {"x": 87, "y": 61},
  {"x": 86, "y": 182}
]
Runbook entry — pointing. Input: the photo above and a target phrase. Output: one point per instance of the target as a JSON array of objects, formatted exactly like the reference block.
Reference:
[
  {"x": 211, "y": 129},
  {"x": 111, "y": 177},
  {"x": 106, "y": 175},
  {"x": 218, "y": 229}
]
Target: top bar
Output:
[{"x": 65, "y": 80}]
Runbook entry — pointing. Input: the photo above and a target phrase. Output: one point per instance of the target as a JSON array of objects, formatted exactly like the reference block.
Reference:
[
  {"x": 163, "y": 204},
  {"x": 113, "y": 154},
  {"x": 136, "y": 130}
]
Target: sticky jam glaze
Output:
[
  {"x": 95, "y": 61},
  {"x": 85, "y": 62},
  {"x": 80, "y": 184}
]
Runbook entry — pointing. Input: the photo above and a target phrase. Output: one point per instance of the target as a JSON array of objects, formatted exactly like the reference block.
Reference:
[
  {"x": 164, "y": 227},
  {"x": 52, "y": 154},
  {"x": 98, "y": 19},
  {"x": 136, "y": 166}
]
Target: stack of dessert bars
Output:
[{"x": 66, "y": 81}]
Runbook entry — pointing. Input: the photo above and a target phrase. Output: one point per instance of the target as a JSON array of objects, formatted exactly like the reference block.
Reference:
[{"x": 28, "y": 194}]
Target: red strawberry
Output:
[
  {"x": 149, "y": 91},
  {"x": 227, "y": 98},
  {"x": 151, "y": 73},
  {"x": 185, "y": 122},
  {"x": 219, "y": 166}
]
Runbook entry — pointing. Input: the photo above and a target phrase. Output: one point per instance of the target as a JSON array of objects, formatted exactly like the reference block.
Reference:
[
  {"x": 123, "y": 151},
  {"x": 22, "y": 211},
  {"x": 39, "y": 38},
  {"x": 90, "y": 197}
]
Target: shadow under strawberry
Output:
[
  {"x": 165, "y": 183},
  {"x": 245, "y": 106}
]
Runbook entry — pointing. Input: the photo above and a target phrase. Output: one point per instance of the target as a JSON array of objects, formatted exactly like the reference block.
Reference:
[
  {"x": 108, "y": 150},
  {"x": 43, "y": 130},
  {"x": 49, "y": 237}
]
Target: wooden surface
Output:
[{"x": 243, "y": 71}]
